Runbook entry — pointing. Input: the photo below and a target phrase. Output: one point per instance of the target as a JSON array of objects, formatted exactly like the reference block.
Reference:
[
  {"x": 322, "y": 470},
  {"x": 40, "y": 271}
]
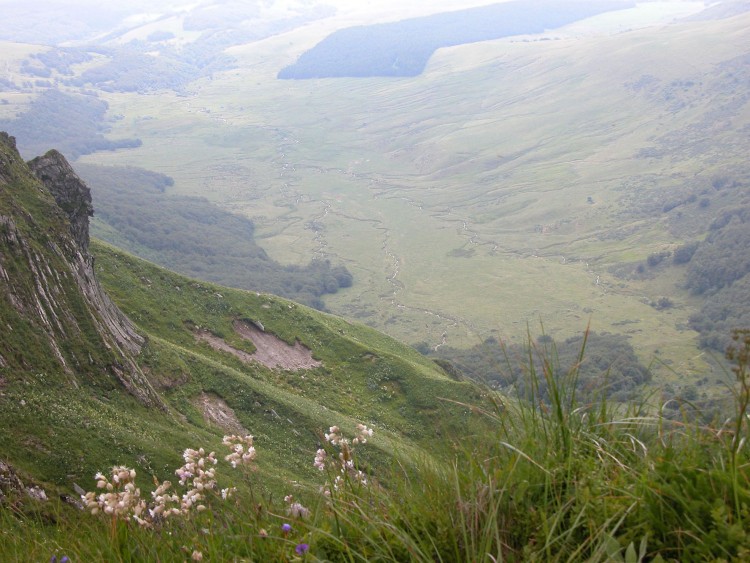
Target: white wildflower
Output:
[
  {"x": 122, "y": 498},
  {"x": 241, "y": 448},
  {"x": 320, "y": 459},
  {"x": 334, "y": 436},
  {"x": 296, "y": 510},
  {"x": 363, "y": 433}
]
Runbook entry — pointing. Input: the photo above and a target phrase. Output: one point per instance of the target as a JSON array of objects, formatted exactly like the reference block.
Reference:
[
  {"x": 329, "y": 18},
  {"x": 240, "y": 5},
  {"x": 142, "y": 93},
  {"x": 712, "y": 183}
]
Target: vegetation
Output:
[
  {"x": 72, "y": 123},
  {"x": 684, "y": 253},
  {"x": 609, "y": 368},
  {"x": 719, "y": 269},
  {"x": 64, "y": 413},
  {"x": 363, "y": 374},
  {"x": 724, "y": 257},
  {"x": 496, "y": 144},
  {"x": 194, "y": 237},
  {"x": 131, "y": 70},
  {"x": 399, "y": 188},
  {"x": 567, "y": 482},
  {"x": 721, "y": 312},
  {"x": 133, "y": 66},
  {"x": 403, "y": 48}
]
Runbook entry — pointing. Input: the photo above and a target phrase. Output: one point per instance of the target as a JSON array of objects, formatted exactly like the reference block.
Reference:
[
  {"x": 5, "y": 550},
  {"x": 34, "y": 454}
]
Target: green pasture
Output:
[{"x": 470, "y": 182}]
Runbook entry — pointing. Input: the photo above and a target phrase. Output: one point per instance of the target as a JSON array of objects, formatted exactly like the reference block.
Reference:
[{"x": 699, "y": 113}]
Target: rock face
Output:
[
  {"x": 74, "y": 198},
  {"x": 49, "y": 296},
  {"x": 69, "y": 191}
]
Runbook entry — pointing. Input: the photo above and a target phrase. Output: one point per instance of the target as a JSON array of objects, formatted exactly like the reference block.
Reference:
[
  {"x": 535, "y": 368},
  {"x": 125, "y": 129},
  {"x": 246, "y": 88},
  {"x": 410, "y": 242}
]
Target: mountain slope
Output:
[
  {"x": 57, "y": 315},
  {"x": 83, "y": 387}
]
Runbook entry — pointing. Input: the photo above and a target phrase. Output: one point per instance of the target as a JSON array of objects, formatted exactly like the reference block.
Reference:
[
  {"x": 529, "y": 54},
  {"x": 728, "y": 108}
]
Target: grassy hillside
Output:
[
  {"x": 440, "y": 471},
  {"x": 69, "y": 408},
  {"x": 403, "y": 48},
  {"x": 364, "y": 377},
  {"x": 570, "y": 482}
]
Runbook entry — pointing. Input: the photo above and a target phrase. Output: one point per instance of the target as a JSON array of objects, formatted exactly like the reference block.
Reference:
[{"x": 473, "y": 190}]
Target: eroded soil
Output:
[{"x": 271, "y": 351}]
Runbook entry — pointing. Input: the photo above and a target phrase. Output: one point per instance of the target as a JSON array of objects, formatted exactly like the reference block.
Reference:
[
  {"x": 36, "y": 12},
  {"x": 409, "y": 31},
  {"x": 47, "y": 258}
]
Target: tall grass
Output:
[{"x": 558, "y": 481}]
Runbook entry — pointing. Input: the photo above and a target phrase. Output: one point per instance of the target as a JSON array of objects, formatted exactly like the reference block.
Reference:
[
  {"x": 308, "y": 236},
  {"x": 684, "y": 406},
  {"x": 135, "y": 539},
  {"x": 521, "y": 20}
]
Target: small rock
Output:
[{"x": 36, "y": 493}]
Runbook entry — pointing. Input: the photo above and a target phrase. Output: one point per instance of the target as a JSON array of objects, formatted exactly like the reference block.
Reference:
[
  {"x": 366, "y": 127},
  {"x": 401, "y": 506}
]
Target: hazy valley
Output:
[{"x": 515, "y": 190}]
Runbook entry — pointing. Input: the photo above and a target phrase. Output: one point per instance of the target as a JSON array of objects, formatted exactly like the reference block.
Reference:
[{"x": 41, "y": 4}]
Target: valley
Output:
[
  {"x": 492, "y": 310},
  {"x": 466, "y": 202},
  {"x": 512, "y": 185}
]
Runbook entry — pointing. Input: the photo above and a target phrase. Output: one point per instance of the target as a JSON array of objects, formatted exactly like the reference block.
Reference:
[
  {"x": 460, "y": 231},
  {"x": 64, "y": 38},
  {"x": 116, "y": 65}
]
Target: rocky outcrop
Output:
[
  {"x": 74, "y": 198},
  {"x": 69, "y": 191},
  {"x": 9, "y": 142},
  {"x": 47, "y": 275},
  {"x": 11, "y": 485}
]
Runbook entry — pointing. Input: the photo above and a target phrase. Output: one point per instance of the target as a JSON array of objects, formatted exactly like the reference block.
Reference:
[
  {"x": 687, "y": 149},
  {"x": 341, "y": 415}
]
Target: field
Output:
[{"x": 509, "y": 186}]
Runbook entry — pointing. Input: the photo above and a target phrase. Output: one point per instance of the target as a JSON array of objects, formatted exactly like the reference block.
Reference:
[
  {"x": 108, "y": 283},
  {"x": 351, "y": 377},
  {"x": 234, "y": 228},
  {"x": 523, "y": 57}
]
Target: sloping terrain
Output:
[
  {"x": 403, "y": 48},
  {"x": 513, "y": 181},
  {"x": 76, "y": 398},
  {"x": 547, "y": 177}
]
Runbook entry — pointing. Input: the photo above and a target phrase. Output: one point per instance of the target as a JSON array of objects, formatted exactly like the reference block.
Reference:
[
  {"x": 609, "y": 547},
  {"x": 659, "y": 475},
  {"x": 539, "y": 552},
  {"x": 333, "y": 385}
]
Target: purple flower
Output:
[
  {"x": 286, "y": 528},
  {"x": 302, "y": 548}
]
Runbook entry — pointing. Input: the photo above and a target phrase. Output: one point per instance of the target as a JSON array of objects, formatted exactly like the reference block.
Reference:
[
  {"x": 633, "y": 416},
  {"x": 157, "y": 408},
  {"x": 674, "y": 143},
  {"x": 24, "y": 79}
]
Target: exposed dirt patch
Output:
[
  {"x": 166, "y": 381},
  {"x": 270, "y": 351},
  {"x": 216, "y": 411}
]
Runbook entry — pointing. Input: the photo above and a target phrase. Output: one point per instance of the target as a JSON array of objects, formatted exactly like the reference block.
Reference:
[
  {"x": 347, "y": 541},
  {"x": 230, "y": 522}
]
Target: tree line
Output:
[
  {"x": 403, "y": 48},
  {"x": 609, "y": 365},
  {"x": 194, "y": 237},
  {"x": 74, "y": 124}
]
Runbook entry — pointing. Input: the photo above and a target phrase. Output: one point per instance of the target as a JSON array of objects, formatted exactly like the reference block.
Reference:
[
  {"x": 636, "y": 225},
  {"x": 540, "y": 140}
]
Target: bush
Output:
[
  {"x": 662, "y": 303},
  {"x": 657, "y": 258},
  {"x": 684, "y": 253}
]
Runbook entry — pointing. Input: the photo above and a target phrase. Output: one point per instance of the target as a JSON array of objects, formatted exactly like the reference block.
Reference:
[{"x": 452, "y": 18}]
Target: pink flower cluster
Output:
[{"x": 120, "y": 497}]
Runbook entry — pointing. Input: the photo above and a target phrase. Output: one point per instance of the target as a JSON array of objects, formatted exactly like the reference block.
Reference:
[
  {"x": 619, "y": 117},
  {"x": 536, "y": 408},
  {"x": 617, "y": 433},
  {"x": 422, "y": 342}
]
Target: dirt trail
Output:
[{"x": 271, "y": 351}]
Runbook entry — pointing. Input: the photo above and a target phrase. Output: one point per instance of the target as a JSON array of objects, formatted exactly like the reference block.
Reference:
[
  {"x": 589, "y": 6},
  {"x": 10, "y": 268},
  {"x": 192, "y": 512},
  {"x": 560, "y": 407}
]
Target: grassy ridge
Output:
[{"x": 365, "y": 376}]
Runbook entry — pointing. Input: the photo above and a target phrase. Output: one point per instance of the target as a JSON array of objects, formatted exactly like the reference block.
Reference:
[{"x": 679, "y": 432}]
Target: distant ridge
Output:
[{"x": 403, "y": 48}]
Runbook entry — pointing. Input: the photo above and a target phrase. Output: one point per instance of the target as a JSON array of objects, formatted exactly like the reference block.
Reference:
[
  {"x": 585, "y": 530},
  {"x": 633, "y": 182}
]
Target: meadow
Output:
[
  {"x": 566, "y": 481},
  {"x": 497, "y": 189}
]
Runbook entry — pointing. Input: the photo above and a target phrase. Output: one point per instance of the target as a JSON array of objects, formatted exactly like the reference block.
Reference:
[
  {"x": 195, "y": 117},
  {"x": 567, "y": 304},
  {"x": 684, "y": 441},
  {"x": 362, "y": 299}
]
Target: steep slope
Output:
[
  {"x": 83, "y": 387},
  {"x": 56, "y": 314}
]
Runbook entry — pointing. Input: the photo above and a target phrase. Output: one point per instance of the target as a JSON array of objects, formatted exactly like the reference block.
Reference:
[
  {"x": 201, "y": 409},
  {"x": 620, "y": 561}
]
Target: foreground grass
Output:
[{"x": 559, "y": 481}]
